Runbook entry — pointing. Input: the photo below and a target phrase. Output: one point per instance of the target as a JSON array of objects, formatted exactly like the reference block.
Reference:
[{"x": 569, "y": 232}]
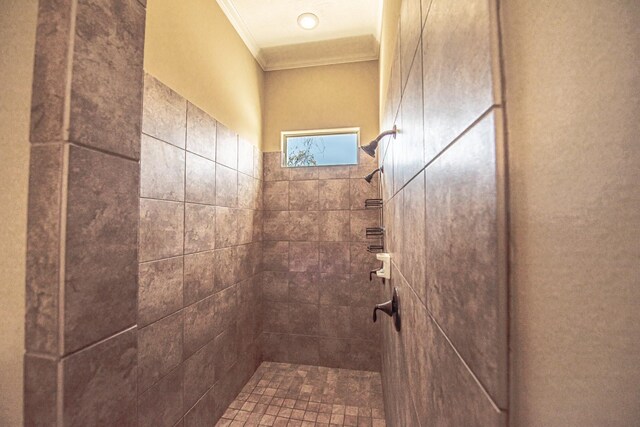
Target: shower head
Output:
[
  {"x": 370, "y": 148},
  {"x": 369, "y": 177}
]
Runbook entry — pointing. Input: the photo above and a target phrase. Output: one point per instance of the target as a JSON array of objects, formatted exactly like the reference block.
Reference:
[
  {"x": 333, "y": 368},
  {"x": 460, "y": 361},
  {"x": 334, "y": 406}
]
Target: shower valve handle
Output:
[{"x": 387, "y": 308}]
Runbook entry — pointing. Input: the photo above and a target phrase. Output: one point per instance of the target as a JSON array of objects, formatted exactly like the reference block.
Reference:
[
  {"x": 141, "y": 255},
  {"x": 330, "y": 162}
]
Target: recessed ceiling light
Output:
[{"x": 308, "y": 21}]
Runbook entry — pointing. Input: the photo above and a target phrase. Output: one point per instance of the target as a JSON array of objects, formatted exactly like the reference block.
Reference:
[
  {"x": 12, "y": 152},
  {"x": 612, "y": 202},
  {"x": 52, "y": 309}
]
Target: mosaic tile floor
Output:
[{"x": 286, "y": 395}]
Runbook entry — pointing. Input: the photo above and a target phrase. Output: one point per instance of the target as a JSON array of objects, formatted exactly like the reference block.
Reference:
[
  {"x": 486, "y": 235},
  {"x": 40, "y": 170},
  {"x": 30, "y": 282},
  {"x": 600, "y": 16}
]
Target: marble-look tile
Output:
[
  {"x": 199, "y": 325},
  {"x": 303, "y": 318},
  {"x": 276, "y": 195},
  {"x": 162, "y": 404},
  {"x": 101, "y": 268},
  {"x": 362, "y": 261},
  {"x": 245, "y": 226},
  {"x": 272, "y": 165},
  {"x": 43, "y": 248},
  {"x": 303, "y": 256},
  {"x": 199, "y": 276},
  {"x": 360, "y": 221},
  {"x": 106, "y": 85},
  {"x": 226, "y": 227},
  {"x": 276, "y": 256},
  {"x": 334, "y": 226},
  {"x": 161, "y": 229},
  {"x": 305, "y": 350},
  {"x": 333, "y": 194},
  {"x": 257, "y": 163},
  {"x": 226, "y": 186},
  {"x": 334, "y": 289},
  {"x": 464, "y": 288},
  {"x": 414, "y": 261},
  {"x": 160, "y": 289},
  {"x": 458, "y": 84},
  {"x": 361, "y": 190},
  {"x": 334, "y": 257},
  {"x": 247, "y": 192},
  {"x": 226, "y": 309},
  {"x": 40, "y": 390},
  {"x": 201, "y": 132},
  {"x": 410, "y": 31},
  {"x": 226, "y": 147},
  {"x": 303, "y": 195},
  {"x": 335, "y": 321},
  {"x": 227, "y": 267},
  {"x": 201, "y": 180},
  {"x": 333, "y": 172},
  {"x": 164, "y": 112},
  {"x": 303, "y": 173},
  {"x": 161, "y": 170},
  {"x": 277, "y": 225},
  {"x": 276, "y": 317},
  {"x": 304, "y": 226},
  {"x": 159, "y": 349},
  {"x": 199, "y": 373},
  {"x": 304, "y": 287},
  {"x": 99, "y": 383},
  {"x": 245, "y": 157},
  {"x": 275, "y": 286},
  {"x": 199, "y": 228}
]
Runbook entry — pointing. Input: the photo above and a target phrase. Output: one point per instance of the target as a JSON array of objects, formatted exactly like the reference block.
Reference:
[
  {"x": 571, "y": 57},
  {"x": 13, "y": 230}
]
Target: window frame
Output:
[{"x": 317, "y": 132}]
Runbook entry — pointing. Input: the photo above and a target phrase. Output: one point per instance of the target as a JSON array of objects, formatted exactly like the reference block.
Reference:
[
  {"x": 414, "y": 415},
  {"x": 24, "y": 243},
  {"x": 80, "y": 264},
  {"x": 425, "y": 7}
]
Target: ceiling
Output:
[{"x": 348, "y": 31}]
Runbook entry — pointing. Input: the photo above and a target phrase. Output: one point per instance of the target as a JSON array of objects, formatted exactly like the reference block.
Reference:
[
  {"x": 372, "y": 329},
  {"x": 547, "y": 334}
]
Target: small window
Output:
[{"x": 331, "y": 147}]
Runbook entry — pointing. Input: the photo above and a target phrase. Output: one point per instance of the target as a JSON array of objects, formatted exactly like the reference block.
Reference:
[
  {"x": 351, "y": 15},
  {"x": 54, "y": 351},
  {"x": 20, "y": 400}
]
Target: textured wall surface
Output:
[
  {"x": 443, "y": 187},
  {"x": 316, "y": 291},
  {"x": 200, "y": 256},
  {"x": 573, "y": 97}
]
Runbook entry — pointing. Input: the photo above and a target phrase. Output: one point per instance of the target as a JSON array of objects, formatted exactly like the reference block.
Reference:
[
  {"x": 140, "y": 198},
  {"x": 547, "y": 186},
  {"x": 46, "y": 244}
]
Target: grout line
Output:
[{"x": 100, "y": 341}]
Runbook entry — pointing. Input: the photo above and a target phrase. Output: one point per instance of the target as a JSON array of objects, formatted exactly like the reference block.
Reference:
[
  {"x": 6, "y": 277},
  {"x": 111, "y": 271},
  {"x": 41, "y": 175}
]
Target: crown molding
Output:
[{"x": 241, "y": 28}]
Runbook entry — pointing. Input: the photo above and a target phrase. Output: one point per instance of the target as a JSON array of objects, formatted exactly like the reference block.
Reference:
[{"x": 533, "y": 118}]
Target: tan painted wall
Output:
[
  {"x": 390, "y": 18},
  {"x": 17, "y": 44},
  {"x": 330, "y": 96},
  {"x": 192, "y": 47},
  {"x": 573, "y": 97}
]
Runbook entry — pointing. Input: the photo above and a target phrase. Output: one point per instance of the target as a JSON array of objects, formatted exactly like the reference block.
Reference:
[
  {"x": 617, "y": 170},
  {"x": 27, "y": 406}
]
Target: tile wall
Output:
[
  {"x": 317, "y": 296},
  {"x": 200, "y": 260},
  {"x": 445, "y": 216}
]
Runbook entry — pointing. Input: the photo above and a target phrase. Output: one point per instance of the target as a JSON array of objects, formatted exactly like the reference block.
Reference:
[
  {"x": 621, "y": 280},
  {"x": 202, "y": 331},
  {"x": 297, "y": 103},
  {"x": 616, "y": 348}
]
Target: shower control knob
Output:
[{"x": 391, "y": 308}]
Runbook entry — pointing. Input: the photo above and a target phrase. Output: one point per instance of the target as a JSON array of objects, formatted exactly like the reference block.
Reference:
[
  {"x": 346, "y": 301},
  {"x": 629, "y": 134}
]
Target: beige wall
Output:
[
  {"x": 573, "y": 97},
  {"x": 331, "y": 96},
  {"x": 390, "y": 19},
  {"x": 192, "y": 47},
  {"x": 17, "y": 43}
]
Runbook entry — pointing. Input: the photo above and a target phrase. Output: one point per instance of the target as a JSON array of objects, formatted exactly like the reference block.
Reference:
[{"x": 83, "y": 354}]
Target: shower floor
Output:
[{"x": 283, "y": 394}]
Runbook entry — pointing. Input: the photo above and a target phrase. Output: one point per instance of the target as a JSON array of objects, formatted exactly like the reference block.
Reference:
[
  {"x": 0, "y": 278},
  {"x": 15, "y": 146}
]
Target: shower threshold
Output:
[{"x": 287, "y": 395}]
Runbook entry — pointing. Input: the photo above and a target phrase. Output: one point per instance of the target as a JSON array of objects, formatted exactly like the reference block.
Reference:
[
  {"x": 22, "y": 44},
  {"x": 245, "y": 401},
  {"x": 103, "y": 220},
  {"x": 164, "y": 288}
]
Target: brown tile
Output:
[
  {"x": 159, "y": 349},
  {"x": 303, "y": 319},
  {"x": 99, "y": 383},
  {"x": 257, "y": 163},
  {"x": 334, "y": 257},
  {"x": 304, "y": 225},
  {"x": 201, "y": 180},
  {"x": 276, "y": 317},
  {"x": 203, "y": 412},
  {"x": 227, "y": 267},
  {"x": 333, "y": 351},
  {"x": 334, "y": 288},
  {"x": 365, "y": 165},
  {"x": 447, "y": 82},
  {"x": 159, "y": 289},
  {"x": 304, "y": 287},
  {"x": 273, "y": 170},
  {"x": 361, "y": 190},
  {"x": 360, "y": 220},
  {"x": 335, "y": 321},
  {"x": 303, "y": 256},
  {"x": 276, "y": 225},
  {"x": 199, "y": 276},
  {"x": 199, "y": 228},
  {"x": 227, "y": 147},
  {"x": 199, "y": 325},
  {"x": 161, "y": 229},
  {"x": 201, "y": 132},
  {"x": 199, "y": 373},
  {"x": 463, "y": 259},
  {"x": 276, "y": 256},
  {"x": 245, "y": 156},
  {"x": 161, "y": 170},
  {"x": 101, "y": 269},
  {"x": 164, "y": 112},
  {"x": 247, "y": 192},
  {"x": 303, "y": 173},
  {"x": 162, "y": 405},
  {"x": 334, "y": 226},
  {"x": 226, "y": 186},
  {"x": 226, "y": 309},
  {"x": 227, "y": 351},
  {"x": 333, "y": 194},
  {"x": 40, "y": 390},
  {"x": 245, "y": 226},
  {"x": 275, "y": 286},
  {"x": 410, "y": 30},
  {"x": 226, "y": 227},
  {"x": 106, "y": 85},
  {"x": 274, "y": 346},
  {"x": 43, "y": 247},
  {"x": 414, "y": 261},
  {"x": 333, "y": 172},
  {"x": 276, "y": 195},
  {"x": 361, "y": 260},
  {"x": 303, "y": 195},
  {"x": 361, "y": 325},
  {"x": 362, "y": 292}
]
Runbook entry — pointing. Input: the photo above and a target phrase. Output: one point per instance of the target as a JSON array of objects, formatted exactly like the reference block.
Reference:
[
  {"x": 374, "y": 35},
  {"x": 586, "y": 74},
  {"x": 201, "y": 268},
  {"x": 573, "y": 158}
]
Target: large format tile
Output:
[
  {"x": 334, "y": 257},
  {"x": 303, "y": 287},
  {"x": 272, "y": 167},
  {"x": 303, "y": 195},
  {"x": 159, "y": 349},
  {"x": 40, "y": 390},
  {"x": 360, "y": 221},
  {"x": 99, "y": 383},
  {"x": 161, "y": 229},
  {"x": 107, "y": 79},
  {"x": 199, "y": 325},
  {"x": 227, "y": 147},
  {"x": 226, "y": 227},
  {"x": 226, "y": 187},
  {"x": 247, "y": 192},
  {"x": 303, "y": 256},
  {"x": 201, "y": 132},
  {"x": 334, "y": 226},
  {"x": 200, "y": 186},
  {"x": 199, "y": 228},
  {"x": 276, "y": 225},
  {"x": 410, "y": 31},
  {"x": 164, "y": 113},
  {"x": 101, "y": 267},
  {"x": 245, "y": 157},
  {"x": 161, "y": 170},
  {"x": 414, "y": 261},
  {"x": 276, "y": 195},
  {"x": 245, "y": 226},
  {"x": 227, "y": 267},
  {"x": 333, "y": 194},
  {"x": 303, "y": 318},
  {"x": 458, "y": 84},
  {"x": 465, "y": 290},
  {"x": 159, "y": 289},
  {"x": 199, "y": 276},
  {"x": 199, "y": 373},
  {"x": 361, "y": 190},
  {"x": 162, "y": 404},
  {"x": 276, "y": 256}
]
